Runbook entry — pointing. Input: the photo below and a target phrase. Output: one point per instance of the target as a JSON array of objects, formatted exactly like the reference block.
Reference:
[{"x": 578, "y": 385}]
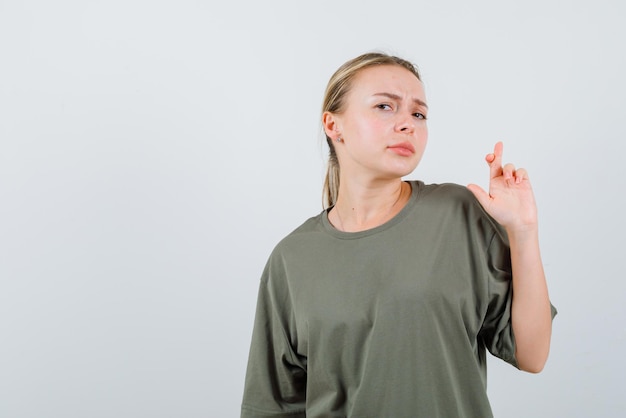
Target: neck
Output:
[{"x": 365, "y": 206}]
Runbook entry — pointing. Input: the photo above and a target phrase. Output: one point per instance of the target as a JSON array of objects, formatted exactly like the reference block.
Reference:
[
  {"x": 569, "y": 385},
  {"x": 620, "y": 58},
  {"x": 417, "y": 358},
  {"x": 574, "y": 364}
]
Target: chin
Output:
[
  {"x": 397, "y": 174},
  {"x": 404, "y": 169}
]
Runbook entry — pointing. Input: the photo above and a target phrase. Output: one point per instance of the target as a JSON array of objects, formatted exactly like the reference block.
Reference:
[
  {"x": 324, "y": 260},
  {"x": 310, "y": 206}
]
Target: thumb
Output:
[{"x": 481, "y": 195}]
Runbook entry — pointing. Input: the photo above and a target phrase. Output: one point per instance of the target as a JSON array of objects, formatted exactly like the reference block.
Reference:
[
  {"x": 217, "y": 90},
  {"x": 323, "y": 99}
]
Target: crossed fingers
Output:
[{"x": 508, "y": 171}]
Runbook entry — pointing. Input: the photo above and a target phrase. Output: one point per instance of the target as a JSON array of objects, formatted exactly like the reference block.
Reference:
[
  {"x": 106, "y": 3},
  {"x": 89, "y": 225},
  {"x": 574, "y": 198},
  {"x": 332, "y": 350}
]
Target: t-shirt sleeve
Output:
[
  {"x": 275, "y": 383},
  {"x": 497, "y": 329}
]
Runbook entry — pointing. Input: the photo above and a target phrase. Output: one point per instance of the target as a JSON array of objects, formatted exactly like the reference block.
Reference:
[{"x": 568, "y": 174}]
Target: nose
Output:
[{"x": 406, "y": 123}]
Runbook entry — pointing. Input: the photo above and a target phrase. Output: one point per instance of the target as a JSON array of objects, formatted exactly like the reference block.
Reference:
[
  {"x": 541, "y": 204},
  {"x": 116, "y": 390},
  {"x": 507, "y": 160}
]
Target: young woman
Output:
[{"x": 384, "y": 304}]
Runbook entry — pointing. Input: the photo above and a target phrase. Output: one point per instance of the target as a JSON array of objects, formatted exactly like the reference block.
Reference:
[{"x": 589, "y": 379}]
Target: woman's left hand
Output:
[{"x": 510, "y": 200}]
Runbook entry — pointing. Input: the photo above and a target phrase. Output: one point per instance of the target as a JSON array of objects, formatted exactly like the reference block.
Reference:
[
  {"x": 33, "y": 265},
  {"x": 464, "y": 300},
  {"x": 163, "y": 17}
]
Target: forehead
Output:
[{"x": 388, "y": 79}]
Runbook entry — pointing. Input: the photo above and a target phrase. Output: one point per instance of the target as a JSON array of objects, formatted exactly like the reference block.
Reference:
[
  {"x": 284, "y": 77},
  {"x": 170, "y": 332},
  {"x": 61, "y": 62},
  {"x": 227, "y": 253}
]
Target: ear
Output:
[{"x": 330, "y": 122}]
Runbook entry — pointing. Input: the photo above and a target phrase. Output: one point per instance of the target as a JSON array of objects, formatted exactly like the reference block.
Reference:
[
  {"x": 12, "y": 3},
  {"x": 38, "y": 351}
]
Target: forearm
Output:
[{"x": 531, "y": 315}]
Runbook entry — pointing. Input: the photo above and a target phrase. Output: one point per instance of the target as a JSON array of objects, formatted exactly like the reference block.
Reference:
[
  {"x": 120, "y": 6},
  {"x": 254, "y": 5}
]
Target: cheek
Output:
[
  {"x": 422, "y": 132},
  {"x": 368, "y": 130},
  {"x": 376, "y": 127}
]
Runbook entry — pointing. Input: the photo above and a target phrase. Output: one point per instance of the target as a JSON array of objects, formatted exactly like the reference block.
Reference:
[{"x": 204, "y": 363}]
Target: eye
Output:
[
  {"x": 383, "y": 106},
  {"x": 419, "y": 115}
]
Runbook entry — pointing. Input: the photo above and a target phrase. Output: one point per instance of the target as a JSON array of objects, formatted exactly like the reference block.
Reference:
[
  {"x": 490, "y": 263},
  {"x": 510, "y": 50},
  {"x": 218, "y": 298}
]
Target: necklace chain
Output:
[{"x": 341, "y": 227}]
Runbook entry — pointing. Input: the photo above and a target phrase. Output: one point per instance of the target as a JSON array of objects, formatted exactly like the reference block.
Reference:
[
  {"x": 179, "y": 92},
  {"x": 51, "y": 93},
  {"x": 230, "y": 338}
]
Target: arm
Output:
[
  {"x": 511, "y": 203},
  {"x": 275, "y": 382},
  {"x": 531, "y": 313}
]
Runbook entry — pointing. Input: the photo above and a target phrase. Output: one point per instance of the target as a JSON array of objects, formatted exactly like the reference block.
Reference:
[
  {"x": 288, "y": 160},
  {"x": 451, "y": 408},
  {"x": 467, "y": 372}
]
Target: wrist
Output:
[{"x": 522, "y": 232}]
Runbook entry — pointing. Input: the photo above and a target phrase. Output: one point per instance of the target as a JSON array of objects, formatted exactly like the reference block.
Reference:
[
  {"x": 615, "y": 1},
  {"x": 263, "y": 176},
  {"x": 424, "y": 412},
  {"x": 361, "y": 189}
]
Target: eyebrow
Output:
[{"x": 396, "y": 97}]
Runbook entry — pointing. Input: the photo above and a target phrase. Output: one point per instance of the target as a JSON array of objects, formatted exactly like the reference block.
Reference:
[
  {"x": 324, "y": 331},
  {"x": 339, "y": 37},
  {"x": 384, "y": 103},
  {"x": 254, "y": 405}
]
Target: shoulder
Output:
[
  {"x": 311, "y": 227},
  {"x": 293, "y": 249},
  {"x": 445, "y": 194},
  {"x": 310, "y": 230},
  {"x": 453, "y": 203}
]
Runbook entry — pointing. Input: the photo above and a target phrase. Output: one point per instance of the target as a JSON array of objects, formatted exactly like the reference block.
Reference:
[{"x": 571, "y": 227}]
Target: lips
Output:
[{"x": 403, "y": 148}]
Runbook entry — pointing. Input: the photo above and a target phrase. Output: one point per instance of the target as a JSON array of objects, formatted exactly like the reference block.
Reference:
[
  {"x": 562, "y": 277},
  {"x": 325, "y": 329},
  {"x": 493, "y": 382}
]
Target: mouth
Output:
[{"x": 403, "y": 148}]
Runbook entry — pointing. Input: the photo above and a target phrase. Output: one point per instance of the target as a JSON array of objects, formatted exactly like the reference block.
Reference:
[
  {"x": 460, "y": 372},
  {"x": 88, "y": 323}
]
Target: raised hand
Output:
[{"x": 510, "y": 200}]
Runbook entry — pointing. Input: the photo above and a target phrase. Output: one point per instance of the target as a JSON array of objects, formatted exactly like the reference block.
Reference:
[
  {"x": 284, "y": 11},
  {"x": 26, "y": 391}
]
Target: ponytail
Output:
[{"x": 331, "y": 182}]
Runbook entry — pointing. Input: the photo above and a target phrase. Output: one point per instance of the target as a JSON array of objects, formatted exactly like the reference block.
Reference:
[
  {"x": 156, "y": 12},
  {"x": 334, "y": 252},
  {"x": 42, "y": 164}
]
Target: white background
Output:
[{"x": 152, "y": 154}]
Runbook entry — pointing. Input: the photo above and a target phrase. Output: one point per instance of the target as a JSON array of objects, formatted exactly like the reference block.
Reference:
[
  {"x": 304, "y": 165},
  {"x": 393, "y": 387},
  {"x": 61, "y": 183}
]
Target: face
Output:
[{"x": 383, "y": 125}]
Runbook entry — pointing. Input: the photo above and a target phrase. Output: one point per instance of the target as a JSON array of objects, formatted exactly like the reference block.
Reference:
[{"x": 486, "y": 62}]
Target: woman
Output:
[{"x": 383, "y": 305}]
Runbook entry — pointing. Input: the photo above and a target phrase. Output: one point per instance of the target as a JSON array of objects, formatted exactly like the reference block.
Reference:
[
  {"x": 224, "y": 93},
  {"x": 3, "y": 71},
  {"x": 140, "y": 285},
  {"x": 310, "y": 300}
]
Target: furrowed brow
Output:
[{"x": 396, "y": 97}]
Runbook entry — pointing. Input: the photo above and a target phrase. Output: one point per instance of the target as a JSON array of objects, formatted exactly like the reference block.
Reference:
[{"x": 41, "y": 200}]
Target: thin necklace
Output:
[{"x": 341, "y": 228}]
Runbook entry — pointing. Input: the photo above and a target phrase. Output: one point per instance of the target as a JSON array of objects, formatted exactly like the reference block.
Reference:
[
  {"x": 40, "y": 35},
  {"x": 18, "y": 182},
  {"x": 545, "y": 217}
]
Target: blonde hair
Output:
[{"x": 337, "y": 89}]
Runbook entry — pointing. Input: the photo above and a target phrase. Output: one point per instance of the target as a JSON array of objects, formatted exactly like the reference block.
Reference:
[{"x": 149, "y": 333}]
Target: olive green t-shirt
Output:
[{"x": 389, "y": 322}]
